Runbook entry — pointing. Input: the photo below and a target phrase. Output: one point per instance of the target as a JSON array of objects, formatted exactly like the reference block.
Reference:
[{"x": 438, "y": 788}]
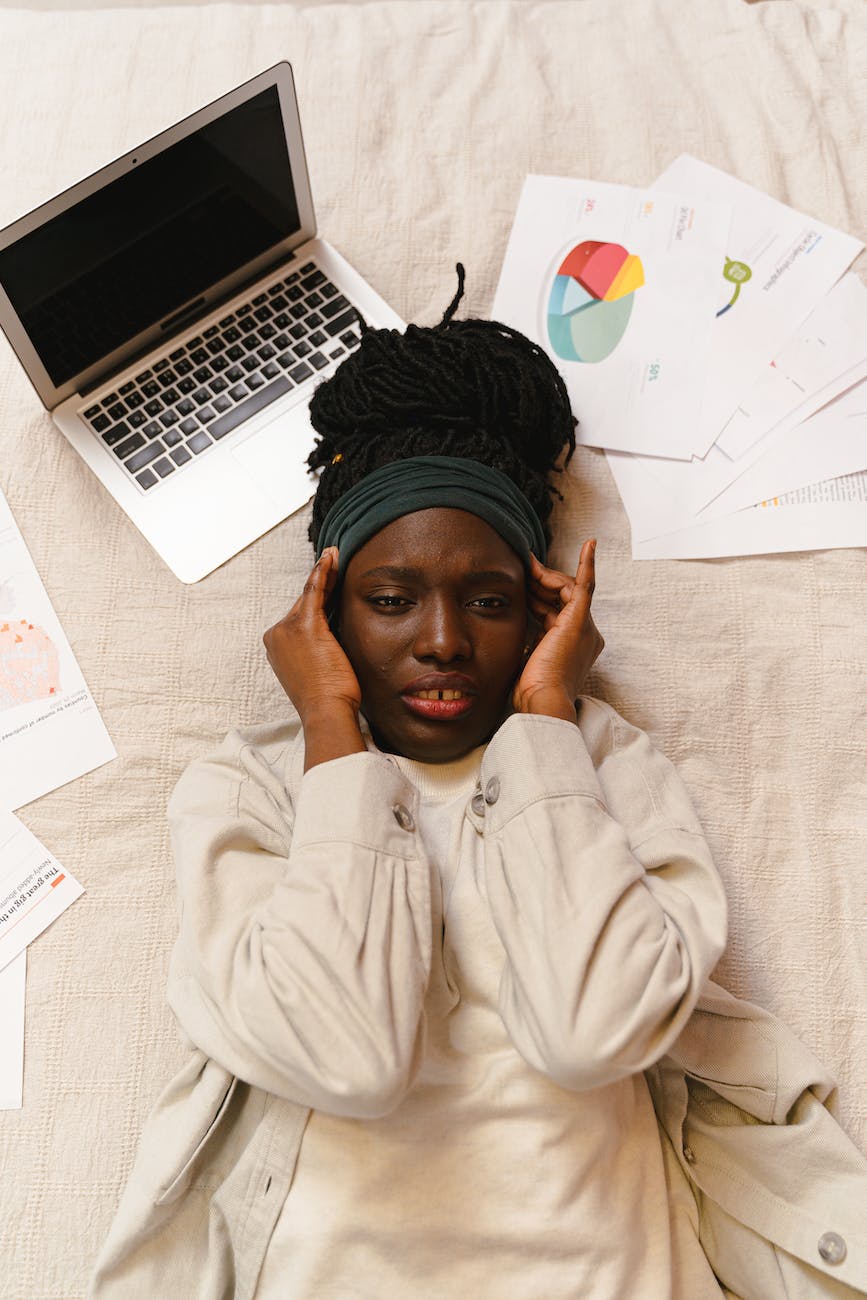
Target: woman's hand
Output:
[
  {"x": 314, "y": 671},
  {"x": 570, "y": 642}
]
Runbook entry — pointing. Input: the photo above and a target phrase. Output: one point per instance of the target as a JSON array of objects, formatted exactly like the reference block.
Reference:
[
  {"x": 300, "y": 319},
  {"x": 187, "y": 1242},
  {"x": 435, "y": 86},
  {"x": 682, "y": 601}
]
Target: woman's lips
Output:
[{"x": 440, "y": 703}]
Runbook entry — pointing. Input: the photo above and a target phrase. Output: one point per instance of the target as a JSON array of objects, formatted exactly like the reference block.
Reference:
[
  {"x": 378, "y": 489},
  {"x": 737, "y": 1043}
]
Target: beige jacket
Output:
[{"x": 299, "y": 979}]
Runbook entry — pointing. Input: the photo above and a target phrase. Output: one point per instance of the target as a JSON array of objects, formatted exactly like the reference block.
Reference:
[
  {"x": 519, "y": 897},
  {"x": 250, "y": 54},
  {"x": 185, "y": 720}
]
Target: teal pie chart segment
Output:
[{"x": 592, "y": 332}]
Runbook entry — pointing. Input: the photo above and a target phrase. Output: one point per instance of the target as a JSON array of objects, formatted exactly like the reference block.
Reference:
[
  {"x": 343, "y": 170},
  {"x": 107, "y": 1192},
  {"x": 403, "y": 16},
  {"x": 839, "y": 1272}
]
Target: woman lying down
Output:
[{"x": 446, "y": 932}]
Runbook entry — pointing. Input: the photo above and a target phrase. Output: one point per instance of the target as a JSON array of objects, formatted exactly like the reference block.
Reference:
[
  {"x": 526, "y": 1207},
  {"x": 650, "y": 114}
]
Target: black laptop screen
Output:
[{"x": 121, "y": 260}]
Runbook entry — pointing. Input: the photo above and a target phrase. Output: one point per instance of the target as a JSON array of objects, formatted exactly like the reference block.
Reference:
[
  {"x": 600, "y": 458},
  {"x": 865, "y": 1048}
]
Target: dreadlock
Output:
[{"x": 472, "y": 388}]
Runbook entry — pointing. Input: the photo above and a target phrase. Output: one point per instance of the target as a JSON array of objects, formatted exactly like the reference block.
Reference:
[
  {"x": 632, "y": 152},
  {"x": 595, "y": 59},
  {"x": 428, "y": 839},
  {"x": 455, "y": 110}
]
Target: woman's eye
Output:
[{"x": 489, "y": 602}]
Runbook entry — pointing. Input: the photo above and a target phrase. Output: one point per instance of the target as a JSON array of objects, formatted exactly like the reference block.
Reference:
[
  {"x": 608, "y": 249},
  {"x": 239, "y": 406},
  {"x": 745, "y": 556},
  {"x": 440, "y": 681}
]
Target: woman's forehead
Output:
[{"x": 439, "y": 537}]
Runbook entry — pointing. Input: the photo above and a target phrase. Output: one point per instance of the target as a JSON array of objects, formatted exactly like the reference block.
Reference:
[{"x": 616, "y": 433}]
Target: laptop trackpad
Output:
[{"x": 275, "y": 457}]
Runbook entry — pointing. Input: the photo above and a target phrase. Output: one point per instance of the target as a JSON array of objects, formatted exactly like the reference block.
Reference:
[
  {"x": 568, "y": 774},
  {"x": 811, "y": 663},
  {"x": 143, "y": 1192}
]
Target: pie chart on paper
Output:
[{"x": 591, "y": 300}]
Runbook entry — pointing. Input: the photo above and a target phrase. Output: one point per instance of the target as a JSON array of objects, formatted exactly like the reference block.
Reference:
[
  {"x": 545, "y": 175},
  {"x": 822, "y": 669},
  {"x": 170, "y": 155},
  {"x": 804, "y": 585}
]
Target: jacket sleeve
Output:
[
  {"x": 305, "y": 932},
  {"x": 603, "y": 892}
]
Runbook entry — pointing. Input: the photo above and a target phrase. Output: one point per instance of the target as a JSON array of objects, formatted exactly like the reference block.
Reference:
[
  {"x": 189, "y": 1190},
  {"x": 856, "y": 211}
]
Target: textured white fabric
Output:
[{"x": 421, "y": 119}]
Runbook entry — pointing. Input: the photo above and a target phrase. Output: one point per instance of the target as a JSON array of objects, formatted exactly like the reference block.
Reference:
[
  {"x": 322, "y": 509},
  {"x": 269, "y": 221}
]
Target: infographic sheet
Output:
[
  {"x": 779, "y": 263},
  {"x": 619, "y": 286},
  {"x": 50, "y": 728}
]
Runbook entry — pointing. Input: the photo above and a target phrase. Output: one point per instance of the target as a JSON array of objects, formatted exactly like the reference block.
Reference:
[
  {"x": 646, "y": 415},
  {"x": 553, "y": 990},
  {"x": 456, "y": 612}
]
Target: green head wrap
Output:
[{"x": 421, "y": 482}]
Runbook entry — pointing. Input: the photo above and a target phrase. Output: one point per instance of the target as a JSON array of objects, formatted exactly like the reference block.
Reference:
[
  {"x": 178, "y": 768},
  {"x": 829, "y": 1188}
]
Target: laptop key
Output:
[
  {"x": 311, "y": 281},
  {"x": 126, "y": 388},
  {"x": 209, "y": 332},
  {"x": 117, "y": 411},
  {"x": 145, "y": 374},
  {"x": 314, "y": 299},
  {"x": 142, "y": 458},
  {"x": 271, "y": 370},
  {"x": 188, "y": 426},
  {"x": 100, "y": 422},
  {"x": 303, "y": 349},
  {"x": 109, "y": 399},
  {"x": 255, "y": 402},
  {"x": 161, "y": 365},
  {"x": 255, "y": 381},
  {"x": 219, "y": 363},
  {"x": 295, "y": 294},
  {"x": 164, "y": 467},
  {"x": 91, "y": 412},
  {"x": 250, "y": 363},
  {"x": 218, "y": 386},
  {"x": 314, "y": 320},
  {"x": 168, "y": 418},
  {"x": 206, "y": 413},
  {"x": 174, "y": 356},
  {"x": 333, "y": 306},
  {"x": 185, "y": 407},
  {"x": 134, "y": 399},
  {"x": 259, "y": 299},
  {"x": 318, "y": 360},
  {"x": 170, "y": 396},
  {"x": 232, "y": 335},
  {"x": 146, "y": 479},
  {"x": 267, "y": 331},
  {"x": 248, "y": 324},
  {"x": 132, "y": 444},
  {"x": 113, "y": 435},
  {"x": 251, "y": 343},
  {"x": 328, "y": 290},
  {"x": 180, "y": 455},
  {"x": 199, "y": 442},
  {"x": 167, "y": 378},
  {"x": 239, "y": 391},
  {"x": 301, "y": 371},
  {"x": 203, "y": 374},
  {"x": 263, "y": 313},
  {"x": 172, "y": 437},
  {"x": 215, "y": 346},
  {"x": 152, "y": 430},
  {"x": 136, "y": 418},
  {"x": 200, "y": 396},
  {"x": 267, "y": 352},
  {"x": 151, "y": 388},
  {"x": 335, "y": 353},
  {"x": 200, "y": 356},
  {"x": 154, "y": 406},
  {"x": 341, "y": 322},
  {"x": 187, "y": 384},
  {"x": 184, "y": 366},
  {"x": 222, "y": 403},
  {"x": 227, "y": 320},
  {"x": 234, "y": 373}
]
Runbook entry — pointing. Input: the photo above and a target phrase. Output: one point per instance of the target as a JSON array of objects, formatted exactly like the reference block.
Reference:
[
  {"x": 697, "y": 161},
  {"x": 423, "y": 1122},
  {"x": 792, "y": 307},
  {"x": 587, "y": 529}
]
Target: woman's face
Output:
[{"x": 433, "y": 619}]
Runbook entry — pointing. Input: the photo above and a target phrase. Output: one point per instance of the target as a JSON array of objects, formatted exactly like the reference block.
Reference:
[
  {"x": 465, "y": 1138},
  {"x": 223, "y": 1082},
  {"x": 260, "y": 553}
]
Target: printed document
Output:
[
  {"x": 50, "y": 729},
  {"x": 12, "y": 979},
  {"x": 619, "y": 286},
  {"x": 779, "y": 264}
]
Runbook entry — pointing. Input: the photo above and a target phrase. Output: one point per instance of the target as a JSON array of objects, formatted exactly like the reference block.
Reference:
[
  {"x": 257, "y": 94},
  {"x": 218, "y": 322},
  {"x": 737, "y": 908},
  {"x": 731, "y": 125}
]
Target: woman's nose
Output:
[{"x": 441, "y": 633}]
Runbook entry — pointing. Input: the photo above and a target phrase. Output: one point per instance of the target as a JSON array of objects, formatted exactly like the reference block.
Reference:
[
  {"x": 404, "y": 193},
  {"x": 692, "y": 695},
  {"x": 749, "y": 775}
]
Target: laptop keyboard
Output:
[{"x": 190, "y": 399}]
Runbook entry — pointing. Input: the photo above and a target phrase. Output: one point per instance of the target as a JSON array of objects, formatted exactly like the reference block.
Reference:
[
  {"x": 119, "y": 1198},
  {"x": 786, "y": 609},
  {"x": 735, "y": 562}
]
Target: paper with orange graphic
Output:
[{"x": 50, "y": 729}]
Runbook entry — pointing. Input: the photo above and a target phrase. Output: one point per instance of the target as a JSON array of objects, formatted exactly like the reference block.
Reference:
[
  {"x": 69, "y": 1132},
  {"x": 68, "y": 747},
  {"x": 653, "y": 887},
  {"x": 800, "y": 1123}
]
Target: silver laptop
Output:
[{"x": 175, "y": 312}]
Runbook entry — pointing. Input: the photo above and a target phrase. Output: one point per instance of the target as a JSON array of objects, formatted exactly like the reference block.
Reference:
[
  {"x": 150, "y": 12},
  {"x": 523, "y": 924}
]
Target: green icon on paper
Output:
[{"x": 737, "y": 273}]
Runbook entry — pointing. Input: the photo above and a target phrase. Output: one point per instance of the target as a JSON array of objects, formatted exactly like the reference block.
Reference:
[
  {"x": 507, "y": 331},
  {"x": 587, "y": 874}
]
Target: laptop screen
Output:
[{"x": 121, "y": 260}]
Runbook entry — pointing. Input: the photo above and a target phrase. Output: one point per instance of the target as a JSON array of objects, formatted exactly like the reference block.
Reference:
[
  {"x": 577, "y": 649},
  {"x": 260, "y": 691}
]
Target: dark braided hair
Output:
[{"x": 472, "y": 388}]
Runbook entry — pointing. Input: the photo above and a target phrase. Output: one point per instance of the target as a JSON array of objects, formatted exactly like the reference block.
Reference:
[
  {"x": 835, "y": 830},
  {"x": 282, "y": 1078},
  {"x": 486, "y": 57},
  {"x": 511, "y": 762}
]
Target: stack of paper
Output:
[
  {"x": 713, "y": 343},
  {"x": 50, "y": 732}
]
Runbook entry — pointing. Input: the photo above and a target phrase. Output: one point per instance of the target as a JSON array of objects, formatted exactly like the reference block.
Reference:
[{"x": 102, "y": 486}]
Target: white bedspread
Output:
[{"x": 421, "y": 119}]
